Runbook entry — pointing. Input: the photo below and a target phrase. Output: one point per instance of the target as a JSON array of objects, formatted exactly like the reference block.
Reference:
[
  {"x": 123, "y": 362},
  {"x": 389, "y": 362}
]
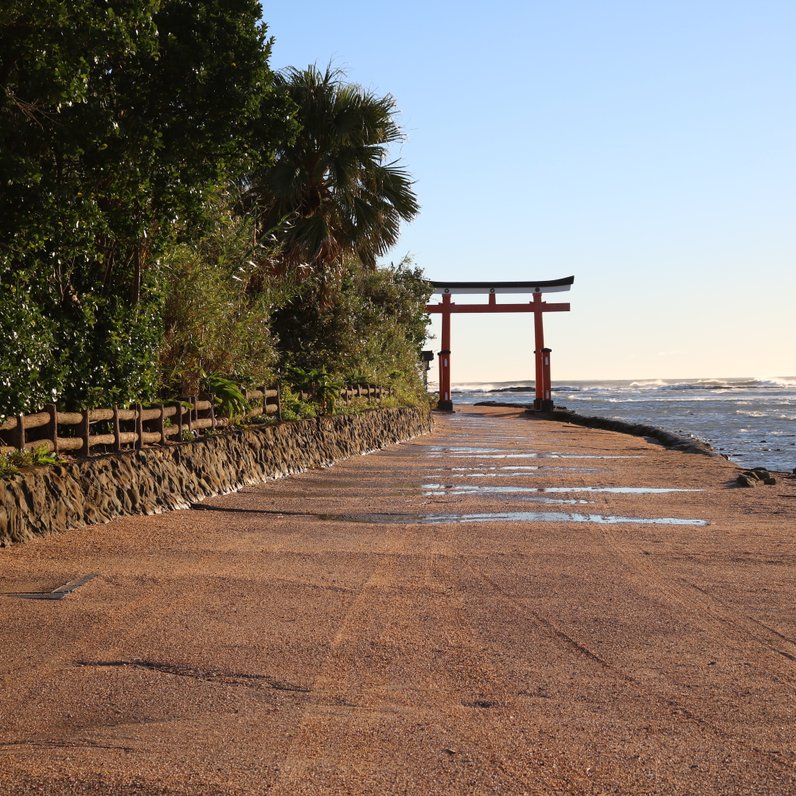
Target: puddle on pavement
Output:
[
  {"x": 514, "y": 468},
  {"x": 505, "y": 516},
  {"x": 621, "y": 490},
  {"x": 557, "y": 501},
  {"x": 435, "y": 449},
  {"x": 522, "y": 498},
  {"x": 506, "y": 455},
  {"x": 511, "y": 475},
  {"x": 477, "y": 472},
  {"x": 475, "y": 489},
  {"x": 555, "y": 516}
]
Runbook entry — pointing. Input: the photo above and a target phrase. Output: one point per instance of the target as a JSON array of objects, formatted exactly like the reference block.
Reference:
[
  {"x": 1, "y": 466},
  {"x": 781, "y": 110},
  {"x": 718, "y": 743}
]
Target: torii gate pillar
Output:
[
  {"x": 544, "y": 396},
  {"x": 445, "y": 402}
]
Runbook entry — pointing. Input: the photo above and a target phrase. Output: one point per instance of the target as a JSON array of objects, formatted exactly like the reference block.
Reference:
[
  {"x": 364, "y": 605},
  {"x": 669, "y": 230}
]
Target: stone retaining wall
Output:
[{"x": 46, "y": 500}]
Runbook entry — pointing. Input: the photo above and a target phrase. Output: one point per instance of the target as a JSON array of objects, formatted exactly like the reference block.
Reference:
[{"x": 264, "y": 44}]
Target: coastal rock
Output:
[{"x": 755, "y": 475}]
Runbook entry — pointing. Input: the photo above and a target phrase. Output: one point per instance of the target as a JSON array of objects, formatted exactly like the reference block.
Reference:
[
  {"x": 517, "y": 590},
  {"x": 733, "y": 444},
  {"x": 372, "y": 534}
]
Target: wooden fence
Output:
[{"x": 105, "y": 430}]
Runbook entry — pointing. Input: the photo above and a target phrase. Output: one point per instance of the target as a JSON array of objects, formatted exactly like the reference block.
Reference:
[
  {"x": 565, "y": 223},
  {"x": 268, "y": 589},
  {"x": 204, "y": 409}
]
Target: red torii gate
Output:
[{"x": 544, "y": 397}]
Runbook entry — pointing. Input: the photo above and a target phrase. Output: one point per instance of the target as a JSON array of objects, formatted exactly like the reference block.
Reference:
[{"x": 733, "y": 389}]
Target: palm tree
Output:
[{"x": 332, "y": 193}]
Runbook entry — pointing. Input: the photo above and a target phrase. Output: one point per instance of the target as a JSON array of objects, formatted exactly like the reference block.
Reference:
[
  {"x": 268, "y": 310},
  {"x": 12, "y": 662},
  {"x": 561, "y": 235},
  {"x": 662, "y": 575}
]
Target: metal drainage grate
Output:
[{"x": 55, "y": 594}]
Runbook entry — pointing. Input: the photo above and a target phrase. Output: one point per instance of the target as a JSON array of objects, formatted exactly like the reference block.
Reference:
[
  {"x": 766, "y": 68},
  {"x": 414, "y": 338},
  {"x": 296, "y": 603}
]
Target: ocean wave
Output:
[
  {"x": 711, "y": 384},
  {"x": 781, "y": 381},
  {"x": 714, "y": 384},
  {"x": 651, "y": 384},
  {"x": 493, "y": 386}
]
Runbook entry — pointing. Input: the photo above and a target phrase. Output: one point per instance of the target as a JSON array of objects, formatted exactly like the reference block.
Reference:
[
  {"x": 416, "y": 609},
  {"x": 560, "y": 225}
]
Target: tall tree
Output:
[{"x": 332, "y": 191}]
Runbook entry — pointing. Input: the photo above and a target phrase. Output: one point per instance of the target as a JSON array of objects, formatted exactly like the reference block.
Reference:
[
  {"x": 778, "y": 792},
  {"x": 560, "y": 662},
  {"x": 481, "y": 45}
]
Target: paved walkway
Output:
[{"x": 505, "y": 606}]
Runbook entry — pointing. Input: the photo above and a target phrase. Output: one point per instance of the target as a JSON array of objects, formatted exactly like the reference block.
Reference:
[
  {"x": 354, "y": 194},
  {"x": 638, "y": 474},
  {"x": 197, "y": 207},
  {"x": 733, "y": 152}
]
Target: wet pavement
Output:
[{"x": 612, "y": 618}]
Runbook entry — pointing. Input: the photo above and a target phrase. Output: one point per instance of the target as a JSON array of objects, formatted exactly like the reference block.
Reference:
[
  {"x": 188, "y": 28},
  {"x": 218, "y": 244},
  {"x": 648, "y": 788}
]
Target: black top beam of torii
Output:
[
  {"x": 536, "y": 306},
  {"x": 541, "y": 286}
]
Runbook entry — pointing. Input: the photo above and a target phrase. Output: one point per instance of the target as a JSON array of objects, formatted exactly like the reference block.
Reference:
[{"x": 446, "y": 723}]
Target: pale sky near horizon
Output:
[{"x": 648, "y": 148}]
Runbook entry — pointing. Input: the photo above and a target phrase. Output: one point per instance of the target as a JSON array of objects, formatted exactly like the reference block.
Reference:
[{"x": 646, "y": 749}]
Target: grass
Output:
[{"x": 12, "y": 463}]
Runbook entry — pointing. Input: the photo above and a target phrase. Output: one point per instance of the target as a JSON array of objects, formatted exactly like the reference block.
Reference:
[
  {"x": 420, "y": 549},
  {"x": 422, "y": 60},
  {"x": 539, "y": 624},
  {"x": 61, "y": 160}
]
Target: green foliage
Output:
[
  {"x": 6, "y": 468},
  {"x": 227, "y": 396},
  {"x": 12, "y": 463},
  {"x": 117, "y": 120},
  {"x": 371, "y": 328},
  {"x": 128, "y": 266},
  {"x": 293, "y": 407},
  {"x": 356, "y": 406},
  {"x": 31, "y": 373},
  {"x": 111, "y": 350},
  {"x": 220, "y": 299},
  {"x": 321, "y": 385}
]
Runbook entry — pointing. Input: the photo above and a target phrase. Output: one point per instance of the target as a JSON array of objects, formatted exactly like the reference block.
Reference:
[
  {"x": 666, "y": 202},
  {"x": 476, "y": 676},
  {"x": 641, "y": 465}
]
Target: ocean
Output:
[{"x": 751, "y": 421}]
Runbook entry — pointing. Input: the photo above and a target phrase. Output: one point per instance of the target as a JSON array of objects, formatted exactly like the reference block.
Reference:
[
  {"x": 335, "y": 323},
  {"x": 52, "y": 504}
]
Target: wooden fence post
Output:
[
  {"x": 52, "y": 411},
  {"x": 178, "y": 414},
  {"x": 85, "y": 431},
  {"x": 117, "y": 430},
  {"x": 161, "y": 420},
  {"x": 139, "y": 427},
  {"x": 278, "y": 401},
  {"x": 19, "y": 434},
  {"x": 212, "y": 398},
  {"x": 192, "y": 413}
]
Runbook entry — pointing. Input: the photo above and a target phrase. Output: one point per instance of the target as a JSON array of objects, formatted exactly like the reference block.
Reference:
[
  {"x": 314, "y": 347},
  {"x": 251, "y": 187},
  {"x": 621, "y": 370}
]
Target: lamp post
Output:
[{"x": 426, "y": 358}]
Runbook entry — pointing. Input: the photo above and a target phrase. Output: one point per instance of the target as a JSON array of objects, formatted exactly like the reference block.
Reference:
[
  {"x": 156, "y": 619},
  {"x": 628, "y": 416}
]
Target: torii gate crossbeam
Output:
[{"x": 536, "y": 306}]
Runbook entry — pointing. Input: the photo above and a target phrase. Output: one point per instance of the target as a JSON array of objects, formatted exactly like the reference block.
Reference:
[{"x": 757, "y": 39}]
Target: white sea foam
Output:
[
  {"x": 648, "y": 385},
  {"x": 778, "y": 381}
]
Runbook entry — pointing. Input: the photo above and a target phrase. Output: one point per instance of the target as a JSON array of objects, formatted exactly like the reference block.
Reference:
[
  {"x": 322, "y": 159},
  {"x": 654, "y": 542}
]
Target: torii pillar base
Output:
[
  {"x": 445, "y": 403},
  {"x": 544, "y": 386}
]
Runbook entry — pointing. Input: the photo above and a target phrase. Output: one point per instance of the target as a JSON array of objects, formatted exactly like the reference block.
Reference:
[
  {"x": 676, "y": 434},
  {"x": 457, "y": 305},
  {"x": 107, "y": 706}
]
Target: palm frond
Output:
[{"x": 333, "y": 182}]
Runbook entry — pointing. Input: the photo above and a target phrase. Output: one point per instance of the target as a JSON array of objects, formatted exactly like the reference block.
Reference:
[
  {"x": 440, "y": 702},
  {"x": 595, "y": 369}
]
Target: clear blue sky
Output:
[{"x": 646, "y": 146}]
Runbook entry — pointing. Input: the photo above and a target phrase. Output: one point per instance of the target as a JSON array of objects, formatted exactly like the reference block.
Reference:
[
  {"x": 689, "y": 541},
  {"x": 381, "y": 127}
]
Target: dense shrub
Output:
[
  {"x": 368, "y": 327},
  {"x": 31, "y": 373},
  {"x": 219, "y": 300}
]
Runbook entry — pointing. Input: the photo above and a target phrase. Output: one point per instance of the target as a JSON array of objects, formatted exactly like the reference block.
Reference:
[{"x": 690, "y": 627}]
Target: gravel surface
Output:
[{"x": 397, "y": 624}]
